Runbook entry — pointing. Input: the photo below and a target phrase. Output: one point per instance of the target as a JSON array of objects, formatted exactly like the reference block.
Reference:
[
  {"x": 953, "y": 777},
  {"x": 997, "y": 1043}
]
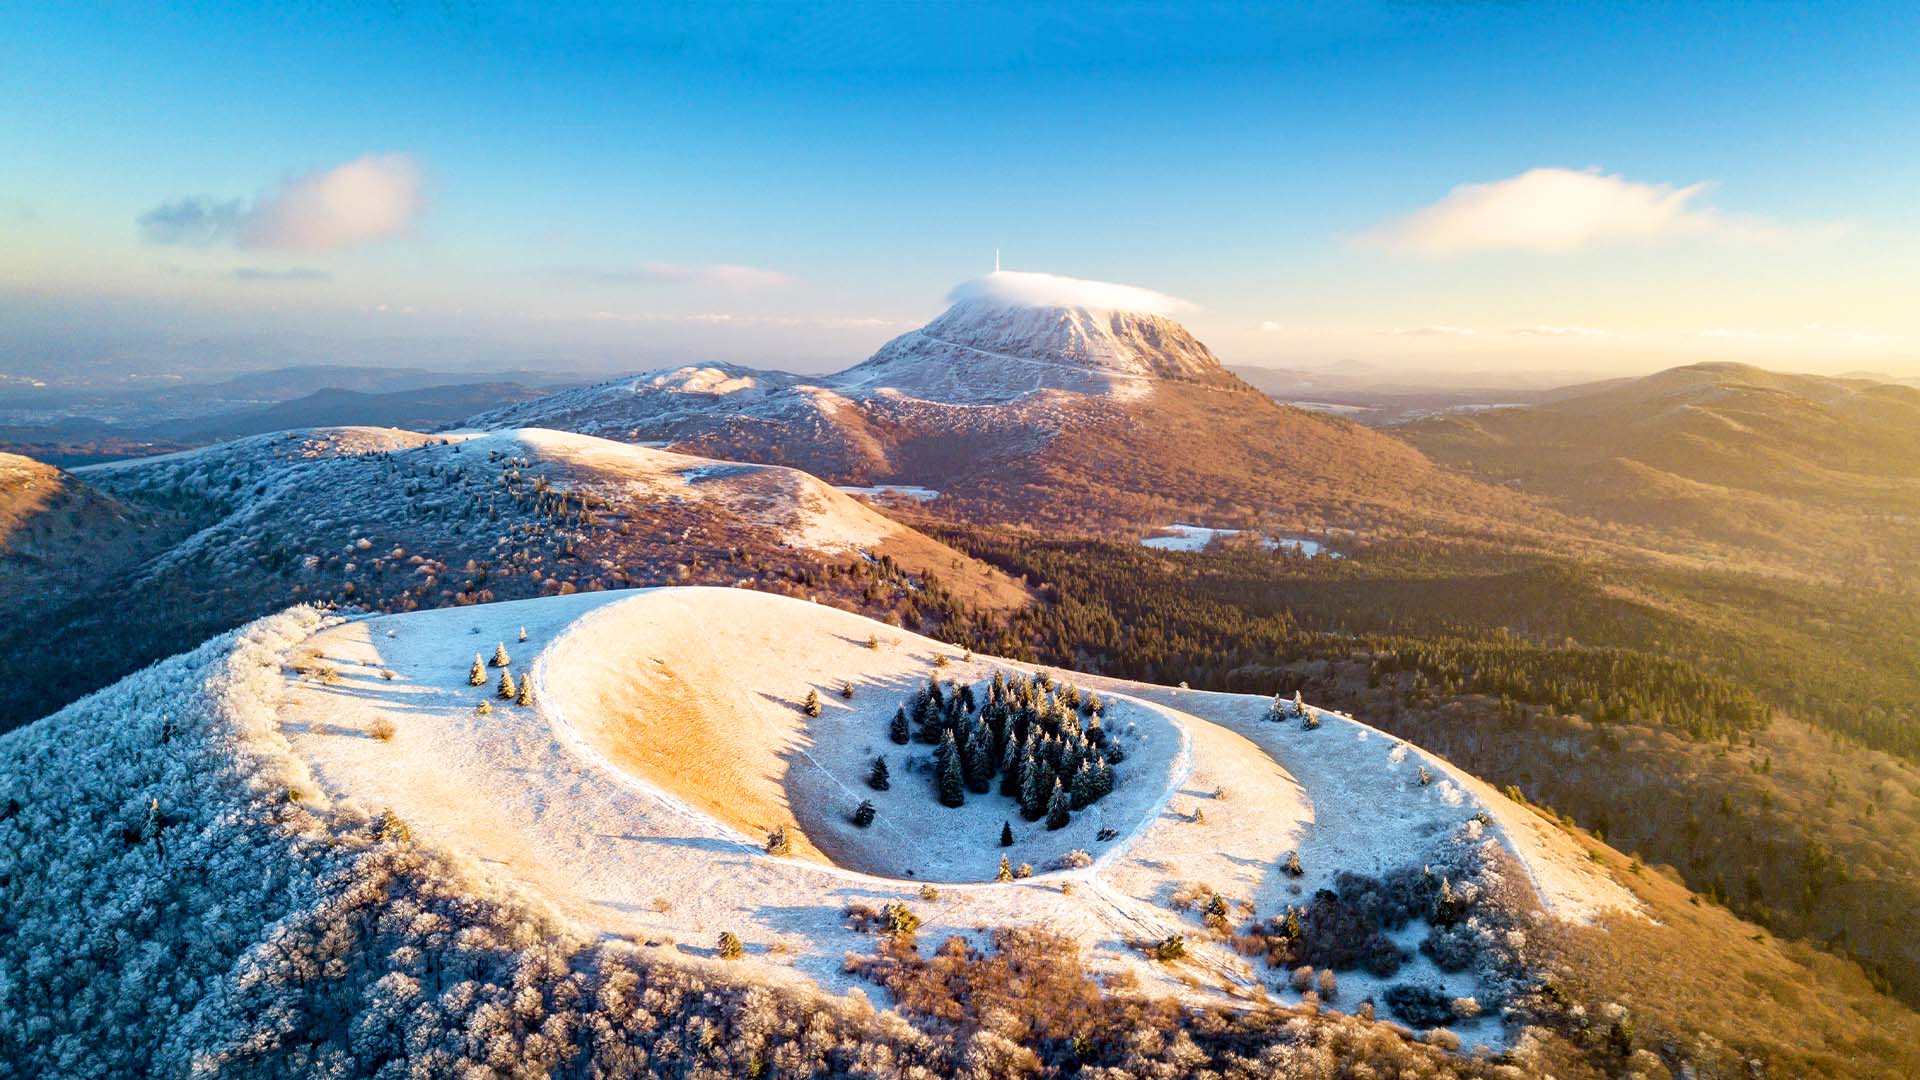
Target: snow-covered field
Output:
[
  {"x": 666, "y": 740},
  {"x": 905, "y": 491},
  {"x": 1183, "y": 537}
]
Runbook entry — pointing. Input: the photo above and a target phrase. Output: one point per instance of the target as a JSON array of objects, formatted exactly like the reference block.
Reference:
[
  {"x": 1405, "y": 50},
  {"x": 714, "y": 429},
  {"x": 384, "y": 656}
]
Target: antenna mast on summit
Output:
[{"x": 996, "y": 260}]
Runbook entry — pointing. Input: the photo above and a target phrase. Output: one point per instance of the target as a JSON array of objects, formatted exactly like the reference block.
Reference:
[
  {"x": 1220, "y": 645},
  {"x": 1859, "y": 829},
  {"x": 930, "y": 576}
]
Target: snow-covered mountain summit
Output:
[
  {"x": 1031, "y": 396},
  {"x": 992, "y": 346}
]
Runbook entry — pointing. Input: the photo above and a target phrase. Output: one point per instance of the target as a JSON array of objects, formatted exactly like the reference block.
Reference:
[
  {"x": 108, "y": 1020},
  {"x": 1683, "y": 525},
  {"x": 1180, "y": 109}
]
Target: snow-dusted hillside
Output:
[
  {"x": 665, "y": 740},
  {"x": 396, "y": 520}
]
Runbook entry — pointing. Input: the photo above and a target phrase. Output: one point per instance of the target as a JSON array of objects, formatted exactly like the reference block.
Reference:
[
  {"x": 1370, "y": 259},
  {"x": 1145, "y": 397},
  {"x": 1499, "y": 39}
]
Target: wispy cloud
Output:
[
  {"x": 719, "y": 275},
  {"x": 1435, "y": 331},
  {"x": 194, "y": 221},
  {"x": 724, "y": 318},
  {"x": 1268, "y": 326},
  {"x": 1560, "y": 331},
  {"x": 294, "y": 273},
  {"x": 359, "y": 202},
  {"x": 1563, "y": 210}
]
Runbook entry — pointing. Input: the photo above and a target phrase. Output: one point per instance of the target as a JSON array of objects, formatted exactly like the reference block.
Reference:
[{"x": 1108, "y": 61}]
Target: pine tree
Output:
[
  {"x": 877, "y": 777},
  {"x": 812, "y": 705},
  {"x": 523, "y": 633},
  {"x": 1010, "y": 768},
  {"x": 1006, "y": 870},
  {"x": 978, "y": 764},
  {"x": 778, "y": 843},
  {"x": 863, "y": 816},
  {"x": 846, "y": 690},
  {"x": 898, "y": 729},
  {"x": 1006, "y": 838},
  {"x": 507, "y": 691},
  {"x": 952, "y": 785},
  {"x": 526, "y": 690},
  {"x": 500, "y": 655},
  {"x": 1081, "y": 792},
  {"x": 1057, "y": 816},
  {"x": 1033, "y": 794},
  {"x": 477, "y": 676}
]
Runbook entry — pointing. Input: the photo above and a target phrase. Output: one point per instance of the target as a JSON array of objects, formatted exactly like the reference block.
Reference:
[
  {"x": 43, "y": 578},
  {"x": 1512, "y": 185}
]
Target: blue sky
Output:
[{"x": 792, "y": 184}]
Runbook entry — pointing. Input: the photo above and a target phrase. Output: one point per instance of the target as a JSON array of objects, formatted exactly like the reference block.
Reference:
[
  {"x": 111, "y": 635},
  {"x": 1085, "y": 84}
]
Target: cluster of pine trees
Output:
[{"x": 1039, "y": 743}]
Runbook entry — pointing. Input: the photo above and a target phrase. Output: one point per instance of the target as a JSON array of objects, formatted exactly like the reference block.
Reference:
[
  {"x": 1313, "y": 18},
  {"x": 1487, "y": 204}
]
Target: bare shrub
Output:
[
  {"x": 1073, "y": 860},
  {"x": 1186, "y": 896},
  {"x": 381, "y": 729}
]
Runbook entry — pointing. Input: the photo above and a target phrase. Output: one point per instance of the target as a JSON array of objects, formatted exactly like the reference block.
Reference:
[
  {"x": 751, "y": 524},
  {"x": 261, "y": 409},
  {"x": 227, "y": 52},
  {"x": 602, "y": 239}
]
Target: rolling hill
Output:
[
  {"x": 202, "y": 540},
  {"x": 1818, "y": 474}
]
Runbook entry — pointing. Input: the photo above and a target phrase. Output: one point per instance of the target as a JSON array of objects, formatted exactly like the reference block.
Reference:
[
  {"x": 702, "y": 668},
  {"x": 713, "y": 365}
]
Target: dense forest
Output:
[{"x": 1654, "y": 725}]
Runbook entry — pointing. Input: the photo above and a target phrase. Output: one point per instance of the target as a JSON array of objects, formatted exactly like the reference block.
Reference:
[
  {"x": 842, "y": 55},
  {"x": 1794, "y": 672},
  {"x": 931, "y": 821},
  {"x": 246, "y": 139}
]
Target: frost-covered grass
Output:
[
  {"x": 184, "y": 897},
  {"x": 668, "y": 739}
]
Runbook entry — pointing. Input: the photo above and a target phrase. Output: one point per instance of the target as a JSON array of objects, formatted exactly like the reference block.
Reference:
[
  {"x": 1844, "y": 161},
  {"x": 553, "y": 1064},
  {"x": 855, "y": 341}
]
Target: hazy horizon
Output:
[{"x": 1515, "y": 189}]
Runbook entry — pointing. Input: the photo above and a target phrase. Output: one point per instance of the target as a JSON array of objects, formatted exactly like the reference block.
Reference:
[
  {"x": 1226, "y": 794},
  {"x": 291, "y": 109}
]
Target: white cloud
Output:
[
  {"x": 1561, "y": 210},
  {"x": 1441, "y": 330},
  {"x": 1025, "y": 289},
  {"x": 1270, "y": 327},
  {"x": 1560, "y": 331},
  {"x": 360, "y": 202},
  {"x": 367, "y": 199}
]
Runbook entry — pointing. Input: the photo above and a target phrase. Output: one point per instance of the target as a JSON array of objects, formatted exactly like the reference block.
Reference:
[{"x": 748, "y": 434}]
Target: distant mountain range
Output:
[
  {"x": 67, "y": 428},
  {"x": 1058, "y": 414}
]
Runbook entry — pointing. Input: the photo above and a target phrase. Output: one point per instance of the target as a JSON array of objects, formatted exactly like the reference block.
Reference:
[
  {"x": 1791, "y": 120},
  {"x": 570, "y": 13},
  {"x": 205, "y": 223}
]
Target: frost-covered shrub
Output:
[
  {"x": 1187, "y": 895},
  {"x": 1073, "y": 860},
  {"x": 381, "y": 728},
  {"x": 1420, "y": 1005}
]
